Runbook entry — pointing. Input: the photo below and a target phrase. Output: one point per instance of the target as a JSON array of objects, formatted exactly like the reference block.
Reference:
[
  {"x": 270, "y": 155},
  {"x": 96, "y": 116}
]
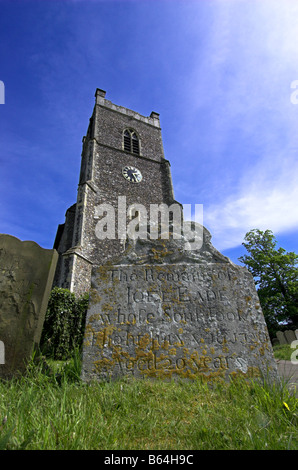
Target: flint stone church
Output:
[
  {"x": 122, "y": 155},
  {"x": 156, "y": 308}
]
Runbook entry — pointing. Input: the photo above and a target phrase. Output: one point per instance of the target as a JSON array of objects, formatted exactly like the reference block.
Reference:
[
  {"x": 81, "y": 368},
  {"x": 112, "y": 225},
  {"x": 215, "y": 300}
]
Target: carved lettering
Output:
[{"x": 184, "y": 320}]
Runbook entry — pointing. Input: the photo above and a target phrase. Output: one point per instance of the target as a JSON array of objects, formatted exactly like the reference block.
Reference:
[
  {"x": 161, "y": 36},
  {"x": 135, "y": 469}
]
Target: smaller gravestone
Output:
[
  {"x": 281, "y": 337},
  {"x": 296, "y": 333},
  {"x": 161, "y": 311},
  {"x": 290, "y": 336},
  {"x": 26, "y": 276}
]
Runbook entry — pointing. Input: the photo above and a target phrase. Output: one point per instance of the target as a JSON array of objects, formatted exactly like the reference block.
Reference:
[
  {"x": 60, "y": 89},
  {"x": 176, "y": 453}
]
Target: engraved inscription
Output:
[
  {"x": 174, "y": 321},
  {"x": 26, "y": 277}
]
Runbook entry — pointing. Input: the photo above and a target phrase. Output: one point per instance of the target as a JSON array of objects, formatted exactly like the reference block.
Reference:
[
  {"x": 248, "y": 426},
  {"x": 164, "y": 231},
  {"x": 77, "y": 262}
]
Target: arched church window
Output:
[{"x": 131, "y": 142}]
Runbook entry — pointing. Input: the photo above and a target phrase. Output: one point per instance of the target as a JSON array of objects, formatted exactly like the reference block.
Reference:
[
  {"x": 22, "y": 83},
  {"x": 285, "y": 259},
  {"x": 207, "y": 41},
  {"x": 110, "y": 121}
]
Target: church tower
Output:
[{"x": 122, "y": 161}]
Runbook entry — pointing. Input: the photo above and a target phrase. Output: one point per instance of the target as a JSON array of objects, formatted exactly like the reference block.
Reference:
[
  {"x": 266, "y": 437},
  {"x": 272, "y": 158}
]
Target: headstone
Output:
[
  {"x": 281, "y": 337},
  {"x": 296, "y": 333},
  {"x": 26, "y": 276},
  {"x": 275, "y": 342},
  {"x": 290, "y": 336},
  {"x": 162, "y": 311}
]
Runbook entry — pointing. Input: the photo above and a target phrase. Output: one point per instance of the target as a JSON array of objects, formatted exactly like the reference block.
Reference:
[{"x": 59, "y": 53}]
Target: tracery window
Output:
[{"x": 131, "y": 142}]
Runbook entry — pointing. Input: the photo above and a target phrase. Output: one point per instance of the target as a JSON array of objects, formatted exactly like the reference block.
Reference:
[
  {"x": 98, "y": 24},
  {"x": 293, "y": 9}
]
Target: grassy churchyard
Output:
[{"x": 43, "y": 410}]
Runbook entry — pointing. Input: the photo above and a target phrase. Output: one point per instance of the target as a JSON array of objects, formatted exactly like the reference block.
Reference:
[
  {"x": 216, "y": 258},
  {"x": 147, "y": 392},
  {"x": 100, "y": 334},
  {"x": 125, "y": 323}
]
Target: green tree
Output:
[{"x": 276, "y": 276}]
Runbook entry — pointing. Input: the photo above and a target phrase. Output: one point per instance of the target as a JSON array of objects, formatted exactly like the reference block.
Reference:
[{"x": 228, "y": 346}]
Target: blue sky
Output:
[{"x": 219, "y": 72}]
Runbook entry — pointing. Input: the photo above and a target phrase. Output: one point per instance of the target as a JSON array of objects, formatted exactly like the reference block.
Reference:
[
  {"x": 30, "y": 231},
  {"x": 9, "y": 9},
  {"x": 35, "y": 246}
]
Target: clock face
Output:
[{"x": 132, "y": 174}]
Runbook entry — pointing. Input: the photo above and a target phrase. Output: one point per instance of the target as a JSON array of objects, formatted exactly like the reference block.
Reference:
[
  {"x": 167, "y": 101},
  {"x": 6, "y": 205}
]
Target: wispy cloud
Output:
[
  {"x": 219, "y": 72},
  {"x": 266, "y": 199},
  {"x": 248, "y": 154}
]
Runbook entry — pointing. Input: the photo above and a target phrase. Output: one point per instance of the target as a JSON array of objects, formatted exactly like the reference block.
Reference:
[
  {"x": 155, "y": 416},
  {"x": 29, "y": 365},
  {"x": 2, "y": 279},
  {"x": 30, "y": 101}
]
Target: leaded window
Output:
[{"x": 131, "y": 142}]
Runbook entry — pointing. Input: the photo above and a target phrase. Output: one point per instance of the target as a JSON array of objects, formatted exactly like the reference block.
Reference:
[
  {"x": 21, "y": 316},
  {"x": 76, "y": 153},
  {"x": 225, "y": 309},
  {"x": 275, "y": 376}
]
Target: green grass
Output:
[
  {"x": 39, "y": 411},
  {"x": 283, "y": 351}
]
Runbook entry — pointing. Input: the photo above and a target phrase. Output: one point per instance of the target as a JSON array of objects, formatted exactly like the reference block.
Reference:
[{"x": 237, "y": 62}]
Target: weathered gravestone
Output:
[
  {"x": 162, "y": 311},
  {"x": 286, "y": 337},
  {"x": 26, "y": 276},
  {"x": 290, "y": 336},
  {"x": 281, "y": 337}
]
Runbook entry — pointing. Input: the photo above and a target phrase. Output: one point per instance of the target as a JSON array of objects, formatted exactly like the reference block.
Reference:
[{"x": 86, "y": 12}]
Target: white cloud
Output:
[
  {"x": 266, "y": 199},
  {"x": 243, "y": 78}
]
